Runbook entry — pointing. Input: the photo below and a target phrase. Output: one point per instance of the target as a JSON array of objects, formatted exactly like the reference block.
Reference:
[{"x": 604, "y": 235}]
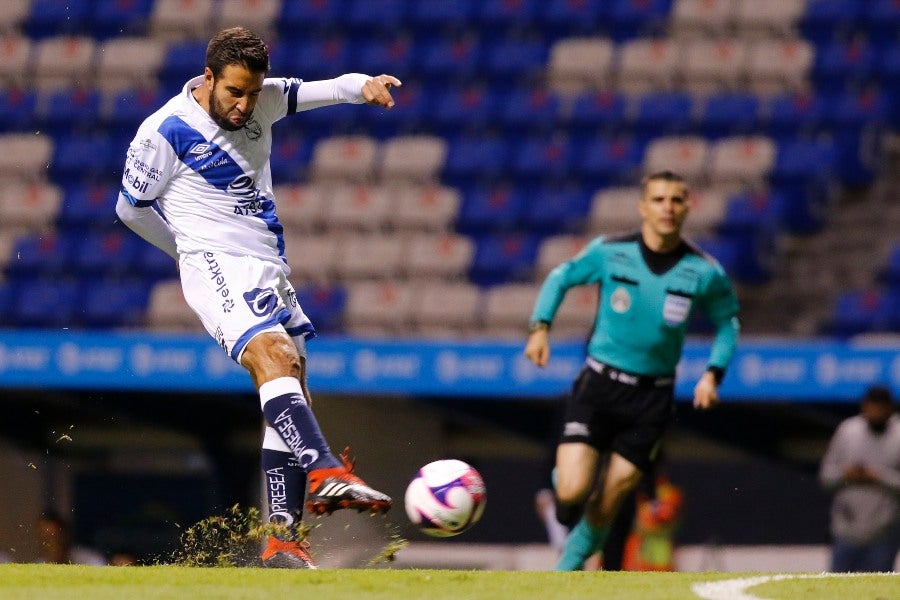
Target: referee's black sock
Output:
[{"x": 568, "y": 514}]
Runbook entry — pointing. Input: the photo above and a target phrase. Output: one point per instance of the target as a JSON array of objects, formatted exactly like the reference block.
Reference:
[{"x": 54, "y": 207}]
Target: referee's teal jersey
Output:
[{"x": 646, "y": 300}]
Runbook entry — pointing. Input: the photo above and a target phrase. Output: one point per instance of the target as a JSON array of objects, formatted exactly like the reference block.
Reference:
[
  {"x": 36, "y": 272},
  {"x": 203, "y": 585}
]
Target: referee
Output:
[{"x": 622, "y": 401}]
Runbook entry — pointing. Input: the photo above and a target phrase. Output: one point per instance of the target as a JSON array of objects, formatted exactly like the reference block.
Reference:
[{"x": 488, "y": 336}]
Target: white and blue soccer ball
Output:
[{"x": 445, "y": 498}]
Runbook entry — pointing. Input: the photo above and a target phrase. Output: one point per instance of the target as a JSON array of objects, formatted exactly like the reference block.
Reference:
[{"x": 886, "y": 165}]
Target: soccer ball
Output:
[{"x": 445, "y": 498}]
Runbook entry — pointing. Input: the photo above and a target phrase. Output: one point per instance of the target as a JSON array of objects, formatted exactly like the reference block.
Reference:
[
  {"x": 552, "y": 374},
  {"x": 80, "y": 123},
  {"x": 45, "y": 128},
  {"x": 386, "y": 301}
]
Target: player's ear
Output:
[{"x": 208, "y": 78}]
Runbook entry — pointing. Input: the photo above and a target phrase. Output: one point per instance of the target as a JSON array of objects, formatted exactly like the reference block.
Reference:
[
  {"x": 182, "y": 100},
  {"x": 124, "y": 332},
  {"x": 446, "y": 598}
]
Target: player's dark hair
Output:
[
  {"x": 669, "y": 176},
  {"x": 237, "y": 46},
  {"x": 878, "y": 394}
]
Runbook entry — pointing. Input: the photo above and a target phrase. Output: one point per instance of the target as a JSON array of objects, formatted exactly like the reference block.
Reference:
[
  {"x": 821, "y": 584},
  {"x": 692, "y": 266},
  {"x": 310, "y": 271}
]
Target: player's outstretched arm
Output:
[{"x": 377, "y": 91}]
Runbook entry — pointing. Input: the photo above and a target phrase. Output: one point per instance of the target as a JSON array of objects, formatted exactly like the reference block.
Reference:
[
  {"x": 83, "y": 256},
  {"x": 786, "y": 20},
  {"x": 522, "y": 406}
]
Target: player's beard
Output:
[{"x": 220, "y": 115}]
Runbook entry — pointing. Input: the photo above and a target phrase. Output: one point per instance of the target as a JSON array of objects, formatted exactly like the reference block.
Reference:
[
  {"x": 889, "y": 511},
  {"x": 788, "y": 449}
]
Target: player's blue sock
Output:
[
  {"x": 583, "y": 541},
  {"x": 287, "y": 412},
  {"x": 285, "y": 485}
]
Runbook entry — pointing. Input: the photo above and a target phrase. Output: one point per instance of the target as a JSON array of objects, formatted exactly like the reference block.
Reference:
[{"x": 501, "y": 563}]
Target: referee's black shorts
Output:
[{"x": 613, "y": 410}]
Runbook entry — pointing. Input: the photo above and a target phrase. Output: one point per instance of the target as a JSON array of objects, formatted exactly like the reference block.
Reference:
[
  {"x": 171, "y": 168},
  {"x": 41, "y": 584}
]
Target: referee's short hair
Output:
[{"x": 669, "y": 176}]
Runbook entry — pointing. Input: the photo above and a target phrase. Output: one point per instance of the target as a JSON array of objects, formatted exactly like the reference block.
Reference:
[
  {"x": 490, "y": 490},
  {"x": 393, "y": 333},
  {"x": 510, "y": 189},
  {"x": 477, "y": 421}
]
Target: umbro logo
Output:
[{"x": 200, "y": 148}]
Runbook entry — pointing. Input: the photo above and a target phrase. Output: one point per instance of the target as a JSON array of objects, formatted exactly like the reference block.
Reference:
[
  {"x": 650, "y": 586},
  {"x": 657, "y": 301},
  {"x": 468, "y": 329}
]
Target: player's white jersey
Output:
[{"x": 213, "y": 186}]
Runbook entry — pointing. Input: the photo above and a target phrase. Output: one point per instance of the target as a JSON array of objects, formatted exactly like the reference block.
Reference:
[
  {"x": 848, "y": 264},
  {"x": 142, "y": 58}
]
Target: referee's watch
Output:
[{"x": 538, "y": 326}]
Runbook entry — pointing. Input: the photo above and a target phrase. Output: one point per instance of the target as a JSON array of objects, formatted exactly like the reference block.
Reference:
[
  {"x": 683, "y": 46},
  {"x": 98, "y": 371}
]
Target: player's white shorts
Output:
[{"x": 239, "y": 297}]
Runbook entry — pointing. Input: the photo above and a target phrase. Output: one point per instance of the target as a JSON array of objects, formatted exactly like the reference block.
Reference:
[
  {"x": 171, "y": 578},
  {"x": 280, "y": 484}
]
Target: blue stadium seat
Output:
[
  {"x": 105, "y": 253},
  {"x": 119, "y": 17},
  {"x": 69, "y": 109},
  {"x": 633, "y": 18},
  {"x": 47, "y": 254},
  {"x": 796, "y": 113},
  {"x": 473, "y": 157},
  {"x": 852, "y": 111},
  {"x": 128, "y": 108},
  {"x": 607, "y": 161},
  {"x": 454, "y": 58},
  {"x": 153, "y": 264},
  {"x": 598, "y": 112},
  {"x": 324, "y": 305},
  {"x": 724, "y": 250},
  {"x": 861, "y": 311},
  {"x": 17, "y": 109},
  {"x": 503, "y": 258},
  {"x": 51, "y": 17},
  {"x": 412, "y": 106},
  {"x": 730, "y": 114},
  {"x": 366, "y": 16},
  {"x": 393, "y": 55},
  {"x": 541, "y": 157},
  {"x": 320, "y": 58},
  {"x": 289, "y": 158},
  {"x": 562, "y": 18},
  {"x": 556, "y": 209},
  {"x": 881, "y": 20},
  {"x": 752, "y": 211},
  {"x": 827, "y": 20},
  {"x": 459, "y": 109},
  {"x": 311, "y": 17},
  {"x": 528, "y": 109},
  {"x": 499, "y": 17},
  {"x": 890, "y": 273},
  {"x": 182, "y": 61},
  {"x": 108, "y": 303},
  {"x": 840, "y": 64},
  {"x": 490, "y": 208},
  {"x": 515, "y": 60},
  {"x": 8, "y": 295},
  {"x": 47, "y": 302},
  {"x": 84, "y": 157},
  {"x": 87, "y": 206},
  {"x": 663, "y": 113},
  {"x": 435, "y": 15}
]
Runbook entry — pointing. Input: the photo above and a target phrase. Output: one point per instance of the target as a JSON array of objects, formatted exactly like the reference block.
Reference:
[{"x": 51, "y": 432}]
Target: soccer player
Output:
[
  {"x": 622, "y": 401},
  {"x": 203, "y": 159}
]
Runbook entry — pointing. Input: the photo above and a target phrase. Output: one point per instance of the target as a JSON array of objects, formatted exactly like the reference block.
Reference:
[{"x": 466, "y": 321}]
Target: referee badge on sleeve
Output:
[{"x": 676, "y": 308}]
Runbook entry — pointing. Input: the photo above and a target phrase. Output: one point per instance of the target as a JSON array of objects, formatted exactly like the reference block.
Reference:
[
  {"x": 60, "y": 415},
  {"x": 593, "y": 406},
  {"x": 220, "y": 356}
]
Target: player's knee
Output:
[
  {"x": 568, "y": 514},
  {"x": 271, "y": 357}
]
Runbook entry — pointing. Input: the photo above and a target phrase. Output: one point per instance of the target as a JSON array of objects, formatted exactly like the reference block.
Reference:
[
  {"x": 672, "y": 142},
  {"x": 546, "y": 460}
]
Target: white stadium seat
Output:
[
  {"x": 701, "y": 18},
  {"x": 557, "y": 249},
  {"x": 413, "y": 158},
  {"x": 708, "y": 205},
  {"x": 167, "y": 309},
  {"x": 128, "y": 62},
  {"x": 507, "y": 308},
  {"x": 358, "y": 207},
  {"x": 15, "y": 60},
  {"x": 768, "y": 18},
  {"x": 378, "y": 308},
  {"x": 648, "y": 64},
  {"x": 301, "y": 207},
  {"x": 438, "y": 256},
  {"x": 25, "y": 155},
  {"x": 685, "y": 155},
  {"x": 741, "y": 160},
  {"x": 614, "y": 210},
  {"x": 713, "y": 65},
  {"x": 64, "y": 61},
  {"x": 369, "y": 256},
  {"x": 577, "y": 313},
  {"x": 779, "y": 65},
  {"x": 579, "y": 64},
  {"x": 344, "y": 158},
  {"x": 311, "y": 257},
  {"x": 425, "y": 208},
  {"x": 257, "y": 15},
  {"x": 29, "y": 205},
  {"x": 172, "y": 20},
  {"x": 448, "y": 310}
]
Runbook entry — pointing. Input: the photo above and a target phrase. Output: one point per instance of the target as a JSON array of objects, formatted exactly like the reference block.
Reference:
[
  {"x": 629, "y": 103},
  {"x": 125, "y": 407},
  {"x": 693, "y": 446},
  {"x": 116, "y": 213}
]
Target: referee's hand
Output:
[
  {"x": 537, "y": 350},
  {"x": 706, "y": 392},
  {"x": 376, "y": 91}
]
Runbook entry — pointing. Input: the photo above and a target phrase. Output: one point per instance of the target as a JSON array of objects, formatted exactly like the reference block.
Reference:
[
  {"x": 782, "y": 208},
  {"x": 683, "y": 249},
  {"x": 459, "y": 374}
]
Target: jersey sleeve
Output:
[
  {"x": 586, "y": 267},
  {"x": 721, "y": 307},
  {"x": 149, "y": 164}
]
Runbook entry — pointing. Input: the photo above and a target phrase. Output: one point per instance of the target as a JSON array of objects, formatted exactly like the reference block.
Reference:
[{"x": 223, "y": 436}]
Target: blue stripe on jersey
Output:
[
  {"x": 201, "y": 156},
  {"x": 134, "y": 201},
  {"x": 306, "y": 330},
  {"x": 282, "y": 316},
  {"x": 292, "y": 96}
]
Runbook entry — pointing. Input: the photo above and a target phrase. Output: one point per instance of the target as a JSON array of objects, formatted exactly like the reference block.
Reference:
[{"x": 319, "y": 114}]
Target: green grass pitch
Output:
[{"x": 72, "y": 582}]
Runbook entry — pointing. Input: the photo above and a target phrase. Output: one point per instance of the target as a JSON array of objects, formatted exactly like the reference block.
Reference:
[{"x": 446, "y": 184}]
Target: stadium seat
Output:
[
  {"x": 110, "y": 18},
  {"x": 316, "y": 57},
  {"x": 15, "y": 60},
  {"x": 366, "y": 16},
  {"x": 577, "y": 314},
  {"x": 881, "y": 20},
  {"x": 775, "y": 66},
  {"x": 445, "y": 256},
  {"x": 431, "y": 208},
  {"x": 463, "y": 108},
  {"x": 50, "y": 303},
  {"x": 107, "y": 253},
  {"x": 741, "y": 161},
  {"x": 392, "y": 55},
  {"x": 68, "y": 161},
  {"x": 648, "y": 64},
  {"x": 167, "y": 310},
  {"x": 8, "y": 294},
  {"x": 528, "y": 109},
  {"x": 298, "y": 18},
  {"x": 537, "y": 158},
  {"x": 446, "y": 310},
  {"x": 413, "y": 159},
  {"x": 840, "y": 64},
  {"x": 663, "y": 113},
  {"x": 701, "y": 18},
  {"x": 603, "y": 113},
  {"x": 714, "y": 65},
  {"x": 614, "y": 210},
  {"x": 507, "y": 308},
  {"x": 17, "y": 108},
  {"x": 503, "y": 258},
  {"x": 88, "y": 206},
  {"x": 860, "y": 311},
  {"x": 378, "y": 308},
  {"x": 411, "y": 113},
  {"x": 113, "y": 303},
  {"x": 473, "y": 157},
  {"x": 129, "y": 62},
  {"x": 369, "y": 256},
  {"x": 311, "y": 256},
  {"x": 182, "y": 20},
  {"x": 64, "y": 61},
  {"x": 827, "y": 20},
  {"x": 851, "y": 112},
  {"x": 46, "y": 254},
  {"x": 632, "y": 18},
  {"x": 25, "y": 156},
  {"x": 9, "y": 237},
  {"x": 13, "y": 17},
  {"x": 290, "y": 155},
  {"x": 31, "y": 206},
  {"x": 434, "y": 16},
  {"x": 500, "y": 17},
  {"x": 182, "y": 61},
  {"x": 324, "y": 304},
  {"x": 796, "y": 114},
  {"x": 571, "y": 17},
  {"x": 48, "y": 18},
  {"x": 351, "y": 158},
  {"x": 64, "y": 110},
  {"x": 890, "y": 273},
  {"x": 578, "y": 64},
  {"x": 687, "y": 155},
  {"x": 257, "y": 15},
  {"x": 768, "y": 18},
  {"x": 301, "y": 208},
  {"x": 358, "y": 208},
  {"x": 555, "y": 250},
  {"x": 508, "y": 61},
  {"x": 707, "y": 210},
  {"x": 750, "y": 211},
  {"x": 153, "y": 264},
  {"x": 729, "y": 114},
  {"x": 555, "y": 209},
  {"x": 490, "y": 208},
  {"x": 125, "y": 109},
  {"x": 457, "y": 58}
]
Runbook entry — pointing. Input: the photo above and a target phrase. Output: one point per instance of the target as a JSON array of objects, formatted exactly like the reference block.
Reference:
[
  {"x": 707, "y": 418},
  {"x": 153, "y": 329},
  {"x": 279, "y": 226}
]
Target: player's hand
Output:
[
  {"x": 706, "y": 392},
  {"x": 537, "y": 349},
  {"x": 377, "y": 91}
]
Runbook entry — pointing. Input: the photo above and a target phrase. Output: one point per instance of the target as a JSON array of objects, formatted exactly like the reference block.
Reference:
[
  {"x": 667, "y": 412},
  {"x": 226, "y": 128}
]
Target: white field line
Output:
[{"x": 736, "y": 589}]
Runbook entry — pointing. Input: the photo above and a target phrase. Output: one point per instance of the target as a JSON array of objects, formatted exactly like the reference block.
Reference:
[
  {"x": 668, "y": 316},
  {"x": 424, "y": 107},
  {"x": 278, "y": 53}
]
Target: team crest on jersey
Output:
[
  {"x": 676, "y": 309},
  {"x": 620, "y": 301},
  {"x": 262, "y": 301},
  {"x": 253, "y": 129}
]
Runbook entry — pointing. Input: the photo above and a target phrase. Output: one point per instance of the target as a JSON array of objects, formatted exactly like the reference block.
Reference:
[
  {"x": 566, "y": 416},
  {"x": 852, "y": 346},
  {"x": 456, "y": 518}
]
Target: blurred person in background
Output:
[
  {"x": 56, "y": 544},
  {"x": 203, "y": 160},
  {"x": 862, "y": 468},
  {"x": 623, "y": 399}
]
